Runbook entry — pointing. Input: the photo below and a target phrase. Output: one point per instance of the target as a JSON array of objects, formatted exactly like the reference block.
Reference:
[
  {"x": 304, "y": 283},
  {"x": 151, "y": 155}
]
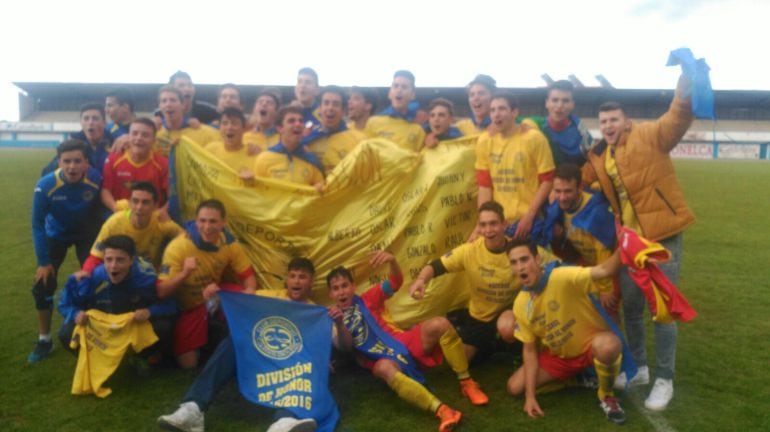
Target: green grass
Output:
[{"x": 723, "y": 370}]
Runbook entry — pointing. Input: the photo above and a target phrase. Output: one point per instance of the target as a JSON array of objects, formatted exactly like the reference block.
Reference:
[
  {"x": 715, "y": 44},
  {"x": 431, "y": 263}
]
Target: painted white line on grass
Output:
[{"x": 657, "y": 421}]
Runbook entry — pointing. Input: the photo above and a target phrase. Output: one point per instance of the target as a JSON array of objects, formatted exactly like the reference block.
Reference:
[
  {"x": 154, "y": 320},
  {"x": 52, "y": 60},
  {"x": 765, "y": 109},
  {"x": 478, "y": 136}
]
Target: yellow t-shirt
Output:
[
  {"x": 492, "y": 284},
  {"x": 562, "y": 317},
  {"x": 332, "y": 149},
  {"x": 209, "y": 269},
  {"x": 467, "y": 127},
  {"x": 514, "y": 164},
  {"x": 239, "y": 160},
  {"x": 202, "y": 136},
  {"x": 103, "y": 340},
  {"x": 591, "y": 250},
  {"x": 627, "y": 214},
  {"x": 408, "y": 135},
  {"x": 278, "y": 166},
  {"x": 149, "y": 240},
  {"x": 259, "y": 139}
]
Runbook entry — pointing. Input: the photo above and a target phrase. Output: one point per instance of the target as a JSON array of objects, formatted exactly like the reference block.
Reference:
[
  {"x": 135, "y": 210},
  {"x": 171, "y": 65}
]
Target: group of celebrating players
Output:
[{"x": 107, "y": 193}]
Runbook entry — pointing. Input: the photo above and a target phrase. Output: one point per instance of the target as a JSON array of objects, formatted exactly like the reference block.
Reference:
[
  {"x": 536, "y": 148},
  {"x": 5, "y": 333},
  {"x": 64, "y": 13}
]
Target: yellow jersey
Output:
[
  {"x": 239, "y": 160},
  {"x": 279, "y": 166},
  {"x": 149, "y": 240},
  {"x": 406, "y": 134}
]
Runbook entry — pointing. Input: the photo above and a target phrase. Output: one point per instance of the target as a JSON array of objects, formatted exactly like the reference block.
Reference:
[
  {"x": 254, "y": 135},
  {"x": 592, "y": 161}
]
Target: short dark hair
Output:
[
  {"x": 309, "y": 71},
  {"x": 177, "y": 75},
  {"x": 273, "y": 92},
  {"x": 368, "y": 94},
  {"x": 287, "y": 110},
  {"x": 228, "y": 86},
  {"x": 508, "y": 97},
  {"x": 561, "y": 85},
  {"x": 484, "y": 80},
  {"x": 145, "y": 186},
  {"x": 611, "y": 106},
  {"x": 406, "y": 74},
  {"x": 444, "y": 103},
  {"x": 123, "y": 95},
  {"x": 339, "y": 272},
  {"x": 171, "y": 89},
  {"x": 514, "y": 243},
  {"x": 120, "y": 242},
  {"x": 494, "y": 207},
  {"x": 72, "y": 145},
  {"x": 147, "y": 122},
  {"x": 568, "y": 171},
  {"x": 301, "y": 263},
  {"x": 336, "y": 90},
  {"x": 233, "y": 112},
  {"x": 92, "y": 106},
  {"x": 212, "y": 204}
]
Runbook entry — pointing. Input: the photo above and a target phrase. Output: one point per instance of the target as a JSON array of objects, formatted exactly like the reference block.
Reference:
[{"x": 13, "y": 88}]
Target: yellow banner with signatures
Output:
[{"x": 416, "y": 205}]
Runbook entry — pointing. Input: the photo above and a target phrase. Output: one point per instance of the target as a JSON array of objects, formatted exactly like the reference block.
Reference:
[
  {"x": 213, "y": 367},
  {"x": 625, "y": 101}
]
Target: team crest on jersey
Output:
[
  {"x": 354, "y": 321},
  {"x": 276, "y": 337},
  {"x": 553, "y": 305},
  {"x": 88, "y": 195}
]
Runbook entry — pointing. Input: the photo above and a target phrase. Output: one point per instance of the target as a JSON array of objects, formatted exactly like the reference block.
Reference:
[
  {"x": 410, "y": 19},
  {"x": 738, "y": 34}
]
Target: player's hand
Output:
[
  {"x": 141, "y": 315},
  {"x": 253, "y": 149},
  {"x": 336, "y": 314},
  {"x": 190, "y": 264},
  {"x": 120, "y": 144},
  {"x": 381, "y": 257},
  {"x": 532, "y": 408},
  {"x": 431, "y": 141},
  {"x": 81, "y": 318},
  {"x": 417, "y": 289},
  {"x": 246, "y": 174},
  {"x": 80, "y": 274},
  {"x": 210, "y": 290},
  {"x": 43, "y": 273},
  {"x": 163, "y": 215},
  {"x": 523, "y": 228},
  {"x": 319, "y": 187},
  {"x": 608, "y": 300},
  {"x": 194, "y": 123}
]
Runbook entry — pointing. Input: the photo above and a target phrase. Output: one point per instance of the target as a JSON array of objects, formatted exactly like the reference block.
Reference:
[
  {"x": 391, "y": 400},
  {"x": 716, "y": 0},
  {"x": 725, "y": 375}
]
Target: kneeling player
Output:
[
  {"x": 554, "y": 310},
  {"x": 389, "y": 352}
]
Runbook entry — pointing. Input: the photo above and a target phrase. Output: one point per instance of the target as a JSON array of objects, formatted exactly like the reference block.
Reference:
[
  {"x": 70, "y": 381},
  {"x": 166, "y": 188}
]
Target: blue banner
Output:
[{"x": 282, "y": 351}]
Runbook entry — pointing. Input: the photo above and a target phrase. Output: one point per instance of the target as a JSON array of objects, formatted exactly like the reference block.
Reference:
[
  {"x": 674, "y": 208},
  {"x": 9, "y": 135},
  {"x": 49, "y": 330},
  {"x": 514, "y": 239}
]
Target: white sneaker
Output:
[
  {"x": 187, "y": 418},
  {"x": 289, "y": 424},
  {"x": 660, "y": 395},
  {"x": 642, "y": 377}
]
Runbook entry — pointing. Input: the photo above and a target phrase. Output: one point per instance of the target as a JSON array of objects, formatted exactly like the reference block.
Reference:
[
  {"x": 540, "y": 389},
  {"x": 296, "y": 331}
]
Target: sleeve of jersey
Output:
[
  {"x": 107, "y": 181},
  {"x": 454, "y": 260},
  {"x": 91, "y": 263},
  {"x": 39, "y": 237},
  {"x": 374, "y": 298},
  {"x": 580, "y": 279},
  {"x": 67, "y": 307},
  {"x": 171, "y": 264},
  {"x": 483, "y": 178}
]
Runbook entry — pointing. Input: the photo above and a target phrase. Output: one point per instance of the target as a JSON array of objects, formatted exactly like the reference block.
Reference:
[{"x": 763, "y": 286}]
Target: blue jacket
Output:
[
  {"x": 136, "y": 291},
  {"x": 96, "y": 157},
  {"x": 62, "y": 210}
]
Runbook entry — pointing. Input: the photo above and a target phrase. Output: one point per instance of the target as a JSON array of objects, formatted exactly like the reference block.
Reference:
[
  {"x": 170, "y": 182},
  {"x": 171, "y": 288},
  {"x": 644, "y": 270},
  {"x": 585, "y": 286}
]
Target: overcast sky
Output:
[{"x": 445, "y": 42}]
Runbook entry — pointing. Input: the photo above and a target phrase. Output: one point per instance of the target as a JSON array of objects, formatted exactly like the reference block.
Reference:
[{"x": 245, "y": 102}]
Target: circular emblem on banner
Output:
[
  {"x": 553, "y": 305},
  {"x": 354, "y": 321},
  {"x": 276, "y": 337}
]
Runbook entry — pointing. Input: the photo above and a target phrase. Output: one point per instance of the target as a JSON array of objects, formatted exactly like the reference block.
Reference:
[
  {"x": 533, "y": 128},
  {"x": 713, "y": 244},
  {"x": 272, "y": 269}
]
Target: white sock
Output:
[{"x": 44, "y": 337}]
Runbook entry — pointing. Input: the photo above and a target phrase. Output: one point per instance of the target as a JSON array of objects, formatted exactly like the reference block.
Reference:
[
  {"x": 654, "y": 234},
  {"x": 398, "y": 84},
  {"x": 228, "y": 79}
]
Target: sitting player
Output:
[
  {"x": 554, "y": 312},
  {"x": 390, "y": 352}
]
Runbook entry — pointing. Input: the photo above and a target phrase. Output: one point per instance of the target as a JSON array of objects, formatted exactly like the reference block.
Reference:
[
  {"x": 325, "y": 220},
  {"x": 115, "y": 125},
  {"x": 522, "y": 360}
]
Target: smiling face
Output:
[
  {"x": 292, "y": 128},
  {"x": 299, "y": 284},
  {"x": 479, "y": 99},
  {"x": 231, "y": 128},
  {"x": 117, "y": 262},
  {"x": 342, "y": 290},
  {"x": 210, "y": 224},
  {"x": 491, "y": 227},
  {"x": 567, "y": 193},
  {"x": 525, "y": 266},
  {"x": 74, "y": 165},
  {"x": 332, "y": 110},
  {"x": 92, "y": 122},
  {"x": 612, "y": 124},
  {"x": 358, "y": 106},
  {"x": 503, "y": 117},
  {"x": 401, "y": 93},
  {"x": 559, "y": 105},
  {"x": 141, "y": 139}
]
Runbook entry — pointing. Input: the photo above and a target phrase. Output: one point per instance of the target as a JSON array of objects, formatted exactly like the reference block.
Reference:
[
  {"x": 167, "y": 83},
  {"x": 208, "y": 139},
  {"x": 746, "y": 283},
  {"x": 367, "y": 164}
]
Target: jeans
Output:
[{"x": 634, "y": 304}]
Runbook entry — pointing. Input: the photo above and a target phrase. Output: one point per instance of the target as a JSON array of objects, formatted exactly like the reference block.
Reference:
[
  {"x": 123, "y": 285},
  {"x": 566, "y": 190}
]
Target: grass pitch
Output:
[{"x": 723, "y": 370}]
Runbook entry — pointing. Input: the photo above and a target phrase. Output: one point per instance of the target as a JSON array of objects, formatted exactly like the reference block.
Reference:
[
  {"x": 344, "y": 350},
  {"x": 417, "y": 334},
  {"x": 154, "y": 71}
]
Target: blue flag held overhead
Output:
[
  {"x": 282, "y": 351},
  {"x": 697, "y": 71}
]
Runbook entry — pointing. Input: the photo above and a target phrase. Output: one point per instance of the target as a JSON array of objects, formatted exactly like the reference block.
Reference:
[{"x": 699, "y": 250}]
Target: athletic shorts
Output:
[
  {"x": 412, "y": 340},
  {"x": 191, "y": 331},
  {"x": 479, "y": 334},
  {"x": 561, "y": 368}
]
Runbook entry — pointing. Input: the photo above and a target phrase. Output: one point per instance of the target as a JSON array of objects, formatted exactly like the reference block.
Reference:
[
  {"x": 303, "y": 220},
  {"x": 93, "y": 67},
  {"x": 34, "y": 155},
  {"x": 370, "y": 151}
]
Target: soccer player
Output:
[
  {"x": 124, "y": 283},
  {"x": 568, "y": 137},
  {"x": 175, "y": 124},
  {"x": 230, "y": 149},
  {"x": 289, "y": 160},
  {"x": 204, "y": 112},
  {"x": 229, "y": 97},
  {"x": 480, "y": 92},
  {"x": 193, "y": 262},
  {"x": 513, "y": 166},
  {"x": 141, "y": 222},
  {"x": 553, "y": 311},
  {"x": 264, "y": 134},
  {"x": 139, "y": 162},
  {"x": 93, "y": 133},
  {"x": 633, "y": 166},
  {"x": 389, "y": 352},
  {"x": 397, "y": 122},
  {"x": 491, "y": 285},
  {"x": 361, "y": 105},
  {"x": 119, "y": 106},
  {"x": 306, "y": 92},
  {"x": 221, "y": 367},
  {"x": 439, "y": 127},
  {"x": 64, "y": 213},
  {"x": 332, "y": 140}
]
